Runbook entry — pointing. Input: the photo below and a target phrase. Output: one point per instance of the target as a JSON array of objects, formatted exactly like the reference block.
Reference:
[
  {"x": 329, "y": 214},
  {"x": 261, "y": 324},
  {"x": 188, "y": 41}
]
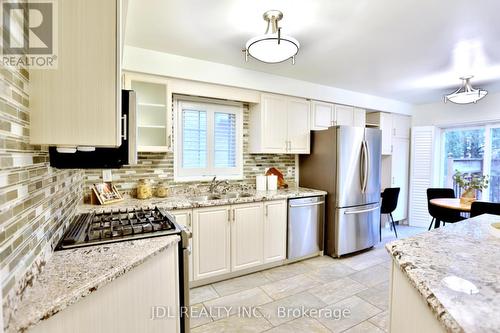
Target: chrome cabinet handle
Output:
[
  {"x": 234, "y": 215},
  {"x": 267, "y": 210},
  {"x": 124, "y": 125},
  {"x": 309, "y": 204},
  {"x": 229, "y": 215},
  {"x": 190, "y": 221},
  {"x": 361, "y": 211}
]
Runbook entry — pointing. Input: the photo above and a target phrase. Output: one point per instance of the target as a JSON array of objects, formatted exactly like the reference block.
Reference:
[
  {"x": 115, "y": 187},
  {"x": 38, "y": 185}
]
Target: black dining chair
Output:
[
  {"x": 441, "y": 214},
  {"x": 480, "y": 207},
  {"x": 389, "y": 204}
]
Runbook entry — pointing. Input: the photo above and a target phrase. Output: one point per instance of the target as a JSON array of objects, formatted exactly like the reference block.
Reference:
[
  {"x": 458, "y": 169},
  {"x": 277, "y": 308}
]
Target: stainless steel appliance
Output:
[
  {"x": 345, "y": 162},
  {"x": 99, "y": 157},
  {"x": 305, "y": 226},
  {"x": 126, "y": 224}
]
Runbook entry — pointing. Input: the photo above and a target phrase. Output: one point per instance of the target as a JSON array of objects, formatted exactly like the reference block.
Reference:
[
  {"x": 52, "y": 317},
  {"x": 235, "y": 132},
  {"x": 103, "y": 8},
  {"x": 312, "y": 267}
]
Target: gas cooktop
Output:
[{"x": 118, "y": 225}]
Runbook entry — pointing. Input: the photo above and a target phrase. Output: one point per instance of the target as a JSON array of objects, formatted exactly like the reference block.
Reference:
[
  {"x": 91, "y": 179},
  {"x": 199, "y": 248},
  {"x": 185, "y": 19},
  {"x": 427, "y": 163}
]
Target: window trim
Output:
[{"x": 211, "y": 106}]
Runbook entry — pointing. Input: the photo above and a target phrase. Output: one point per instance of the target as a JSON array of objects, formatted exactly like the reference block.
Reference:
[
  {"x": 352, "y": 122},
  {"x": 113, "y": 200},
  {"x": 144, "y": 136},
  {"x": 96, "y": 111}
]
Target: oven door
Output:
[{"x": 184, "y": 253}]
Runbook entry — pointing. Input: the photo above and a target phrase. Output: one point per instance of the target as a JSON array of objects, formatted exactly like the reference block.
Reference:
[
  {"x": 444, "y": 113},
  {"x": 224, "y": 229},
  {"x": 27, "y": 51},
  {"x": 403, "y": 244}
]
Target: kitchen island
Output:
[{"x": 447, "y": 280}]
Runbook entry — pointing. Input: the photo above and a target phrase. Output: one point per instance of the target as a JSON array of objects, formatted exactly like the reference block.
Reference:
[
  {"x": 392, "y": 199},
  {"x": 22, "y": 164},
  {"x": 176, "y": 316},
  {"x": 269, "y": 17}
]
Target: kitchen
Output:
[{"x": 156, "y": 171}]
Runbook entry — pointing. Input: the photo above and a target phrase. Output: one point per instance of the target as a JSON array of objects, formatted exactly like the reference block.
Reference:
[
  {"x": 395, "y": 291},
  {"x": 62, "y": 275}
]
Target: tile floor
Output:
[{"x": 358, "y": 284}]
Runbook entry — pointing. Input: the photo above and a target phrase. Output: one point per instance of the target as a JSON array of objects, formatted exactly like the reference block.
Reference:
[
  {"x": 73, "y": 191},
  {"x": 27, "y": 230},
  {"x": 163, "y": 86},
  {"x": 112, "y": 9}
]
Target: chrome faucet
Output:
[{"x": 215, "y": 183}]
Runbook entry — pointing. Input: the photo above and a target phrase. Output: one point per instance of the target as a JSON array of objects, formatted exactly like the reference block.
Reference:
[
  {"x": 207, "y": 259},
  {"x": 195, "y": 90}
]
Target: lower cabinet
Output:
[
  {"x": 211, "y": 242},
  {"x": 275, "y": 225},
  {"x": 232, "y": 238},
  {"x": 247, "y": 243}
]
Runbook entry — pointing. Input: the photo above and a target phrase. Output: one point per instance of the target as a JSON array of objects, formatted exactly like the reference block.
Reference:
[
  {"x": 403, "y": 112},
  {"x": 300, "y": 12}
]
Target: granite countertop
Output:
[
  {"x": 183, "y": 201},
  {"x": 456, "y": 269},
  {"x": 72, "y": 274}
]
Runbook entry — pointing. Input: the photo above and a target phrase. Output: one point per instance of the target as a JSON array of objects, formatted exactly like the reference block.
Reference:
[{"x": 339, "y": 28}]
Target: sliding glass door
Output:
[
  {"x": 474, "y": 151},
  {"x": 494, "y": 165}
]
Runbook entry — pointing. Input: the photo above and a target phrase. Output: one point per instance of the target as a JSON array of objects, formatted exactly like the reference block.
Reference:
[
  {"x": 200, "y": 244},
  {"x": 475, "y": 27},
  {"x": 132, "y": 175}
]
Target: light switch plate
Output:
[{"x": 107, "y": 176}]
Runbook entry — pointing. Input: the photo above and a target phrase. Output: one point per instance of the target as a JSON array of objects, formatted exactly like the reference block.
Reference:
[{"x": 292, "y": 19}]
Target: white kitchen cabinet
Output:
[
  {"x": 79, "y": 102},
  {"x": 280, "y": 124},
  {"x": 247, "y": 243},
  {"x": 154, "y": 112},
  {"x": 401, "y": 126},
  {"x": 322, "y": 115},
  {"x": 344, "y": 115},
  {"x": 124, "y": 305},
  {"x": 275, "y": 227},
  {"x": 359, "y": 117},
  {"x": 298, "y": 126},
  {"x": 185, "y": 217},
  {"x": 211, "y": 242},
  {"x": 400, "y": 170}
]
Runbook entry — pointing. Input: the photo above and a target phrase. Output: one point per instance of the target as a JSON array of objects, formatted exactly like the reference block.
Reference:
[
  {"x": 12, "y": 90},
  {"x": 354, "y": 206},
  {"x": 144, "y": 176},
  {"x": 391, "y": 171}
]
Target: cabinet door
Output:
[
  {"x": 386, "y": 127},
  {"x": 359, "y": 117},
  {"x": 322, "y": 115},
  {"x": 211, "y": 242},
  {"x": 154, "y": 114},
  {"x": 400, "y": 175},
  {"x": 185, "y": 217},
  {"x": 275, "y": 225},
  {"x": 298, "y": 126},
  {"x": 344, "y": 115},
  {"x": 246, "y": 236},
  {"x": 79, "y": 102},
  {"x": 274, "y": 123},
  {"x": 401, "y": 126}
]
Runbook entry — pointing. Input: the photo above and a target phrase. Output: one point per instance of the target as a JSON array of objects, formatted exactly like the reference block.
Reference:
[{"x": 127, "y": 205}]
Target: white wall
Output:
[
  {"x": 164, "y": 64},
  {"x": 449, "y": 114}
]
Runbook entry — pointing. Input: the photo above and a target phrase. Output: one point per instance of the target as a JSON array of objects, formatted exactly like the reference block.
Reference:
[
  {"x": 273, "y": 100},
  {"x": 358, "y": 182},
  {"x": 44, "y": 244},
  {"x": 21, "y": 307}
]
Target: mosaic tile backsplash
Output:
[
  {"x": 158, "y": 167},
  {"x": 36, "y": 201}
]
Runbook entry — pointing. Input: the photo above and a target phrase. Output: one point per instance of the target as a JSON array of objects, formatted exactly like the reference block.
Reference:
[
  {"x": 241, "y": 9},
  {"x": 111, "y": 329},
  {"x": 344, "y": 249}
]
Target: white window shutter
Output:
[{"x": 424, "y": 144}]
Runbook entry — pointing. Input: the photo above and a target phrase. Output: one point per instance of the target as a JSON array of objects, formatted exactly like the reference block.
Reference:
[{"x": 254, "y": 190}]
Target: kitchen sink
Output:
[
  {"x": 208, "y": 197},
  {"x": 231, "y": 195},
  {"x": 235, "y": 195}
]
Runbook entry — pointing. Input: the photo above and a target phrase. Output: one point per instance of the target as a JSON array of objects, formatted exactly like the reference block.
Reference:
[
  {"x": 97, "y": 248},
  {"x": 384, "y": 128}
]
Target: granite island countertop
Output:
[
  {"x": 70, "y": 275},
  {"x": 464, "y": 250},
  {"x": 184, "y": 202}
]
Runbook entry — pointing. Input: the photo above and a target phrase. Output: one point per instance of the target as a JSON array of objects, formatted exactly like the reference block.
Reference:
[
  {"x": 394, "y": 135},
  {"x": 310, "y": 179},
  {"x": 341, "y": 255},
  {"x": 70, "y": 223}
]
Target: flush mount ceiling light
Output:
[
  {"x": 272, "y": 47},
  {"x": 465, "y": 94}
]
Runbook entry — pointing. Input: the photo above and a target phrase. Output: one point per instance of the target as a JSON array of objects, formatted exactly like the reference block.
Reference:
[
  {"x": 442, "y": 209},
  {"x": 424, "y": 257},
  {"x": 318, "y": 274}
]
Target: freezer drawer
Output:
[
  {"x": 356, "y": 228},
  {"x": 305, "y": 226}
]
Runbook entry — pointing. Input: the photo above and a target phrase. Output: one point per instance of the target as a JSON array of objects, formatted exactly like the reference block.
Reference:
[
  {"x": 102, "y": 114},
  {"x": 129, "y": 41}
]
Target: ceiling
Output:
[{"x": 412, "y": 51}]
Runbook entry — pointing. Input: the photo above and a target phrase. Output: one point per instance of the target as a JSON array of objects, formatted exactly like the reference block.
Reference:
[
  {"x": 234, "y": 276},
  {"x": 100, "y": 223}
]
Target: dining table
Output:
[{"x": 450, "y": 203}]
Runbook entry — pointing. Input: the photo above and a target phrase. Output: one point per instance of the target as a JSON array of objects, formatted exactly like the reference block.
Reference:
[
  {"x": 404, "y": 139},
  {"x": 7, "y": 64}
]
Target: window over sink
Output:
[{"x": 209, "y": 139}]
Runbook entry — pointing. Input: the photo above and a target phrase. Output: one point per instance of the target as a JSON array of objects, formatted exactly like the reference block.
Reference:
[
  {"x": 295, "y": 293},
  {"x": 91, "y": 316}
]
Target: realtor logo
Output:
[{"x": 29, "y": 34}]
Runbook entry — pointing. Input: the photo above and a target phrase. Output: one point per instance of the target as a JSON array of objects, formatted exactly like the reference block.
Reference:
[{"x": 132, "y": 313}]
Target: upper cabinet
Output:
[
  {"x": 324, "y": 115},
  {"x": 154, "y": 106},
  {"x": 401, "y": 126},
  {"x": 280, "y": 124},
  {"x": 392, "y": 126},
  {"x": 79, "y": 103}
]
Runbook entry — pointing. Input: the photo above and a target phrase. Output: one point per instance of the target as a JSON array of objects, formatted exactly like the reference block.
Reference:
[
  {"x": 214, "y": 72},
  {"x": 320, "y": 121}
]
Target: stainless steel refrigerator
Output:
[{"x": 345, "y": 162}]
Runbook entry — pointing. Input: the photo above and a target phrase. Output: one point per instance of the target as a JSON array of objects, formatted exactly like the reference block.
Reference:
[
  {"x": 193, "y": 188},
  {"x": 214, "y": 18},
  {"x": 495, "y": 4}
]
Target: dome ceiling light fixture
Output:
[
  {"x": 465, "y": 94},
  {"x": 272, "y": 47}
]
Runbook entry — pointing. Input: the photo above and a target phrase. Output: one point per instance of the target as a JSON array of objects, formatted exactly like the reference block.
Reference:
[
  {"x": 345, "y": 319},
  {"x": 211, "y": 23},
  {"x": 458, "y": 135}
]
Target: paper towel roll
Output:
[
  {"x": 261, "y": 183},
  {"x": 272, "y": 183}
]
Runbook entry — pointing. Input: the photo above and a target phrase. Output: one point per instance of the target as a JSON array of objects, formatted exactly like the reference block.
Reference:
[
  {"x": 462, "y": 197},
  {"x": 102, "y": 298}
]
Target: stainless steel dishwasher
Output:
[{"x": 305, "y": 226}]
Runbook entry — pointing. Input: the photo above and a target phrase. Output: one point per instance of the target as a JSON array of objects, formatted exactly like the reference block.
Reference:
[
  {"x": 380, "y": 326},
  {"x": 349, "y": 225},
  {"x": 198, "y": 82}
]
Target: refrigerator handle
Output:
[
  {"x": 361, "y": 167},
  {"x": 368, "y": 165},
  {"x": 364, "y": 164}
]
